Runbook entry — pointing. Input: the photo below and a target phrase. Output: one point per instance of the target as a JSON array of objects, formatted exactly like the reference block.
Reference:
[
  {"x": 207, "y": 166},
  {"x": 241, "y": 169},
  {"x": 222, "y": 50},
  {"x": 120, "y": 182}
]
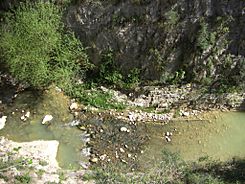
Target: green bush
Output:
[
  {"x": 35, "y": 47},
  {"x": 170, "y": 169}
]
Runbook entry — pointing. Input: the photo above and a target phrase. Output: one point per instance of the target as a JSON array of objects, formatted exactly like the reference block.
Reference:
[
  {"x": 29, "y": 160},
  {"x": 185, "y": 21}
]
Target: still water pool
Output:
[{"x": 217, "y": 135}]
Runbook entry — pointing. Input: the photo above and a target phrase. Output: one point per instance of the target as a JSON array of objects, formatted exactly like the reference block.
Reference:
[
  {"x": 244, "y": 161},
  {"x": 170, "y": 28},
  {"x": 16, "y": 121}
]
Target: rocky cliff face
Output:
[{"x": 195, "y": 40}]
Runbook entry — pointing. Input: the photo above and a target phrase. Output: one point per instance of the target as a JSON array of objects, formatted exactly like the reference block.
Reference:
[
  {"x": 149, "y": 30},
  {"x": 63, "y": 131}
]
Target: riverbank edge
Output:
[{"x": 162, "y": 104}]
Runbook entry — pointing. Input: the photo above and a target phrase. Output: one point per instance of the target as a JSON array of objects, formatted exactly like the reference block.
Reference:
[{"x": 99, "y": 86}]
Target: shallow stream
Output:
[
  {"x": 53, "y": 103},
  {"x": 220, "y": 136}
]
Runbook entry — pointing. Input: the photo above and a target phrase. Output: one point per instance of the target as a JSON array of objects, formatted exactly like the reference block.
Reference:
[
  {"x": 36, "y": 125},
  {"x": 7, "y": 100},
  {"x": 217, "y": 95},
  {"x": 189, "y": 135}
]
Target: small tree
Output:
[{"x": 35, "y": 47}]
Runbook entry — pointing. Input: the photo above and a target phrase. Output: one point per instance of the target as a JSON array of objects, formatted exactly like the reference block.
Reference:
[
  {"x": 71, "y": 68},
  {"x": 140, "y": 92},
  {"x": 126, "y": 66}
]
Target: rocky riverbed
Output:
[{"x": 113, "y": 136}]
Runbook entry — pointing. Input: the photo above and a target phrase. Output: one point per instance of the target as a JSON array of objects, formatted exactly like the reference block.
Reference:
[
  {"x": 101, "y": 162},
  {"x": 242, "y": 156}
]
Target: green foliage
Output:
[
  {"x": 178, "y": 77},
  {"x": 108, "y": 70},
  {"x": 172, "y": 18},
  {"x": 170, "y": 169},
  {"x": 35, "y": 47},
  {"x": 202, "y": 179},
  {"x": 95, "y": 97},
  {"x": 132, "y": 79},
  {"x": 205, "y": 37},
  {"x": 109, "y": 74},
  {"x": 23, "y": 179},
  {"x": 208, "y": 37}
]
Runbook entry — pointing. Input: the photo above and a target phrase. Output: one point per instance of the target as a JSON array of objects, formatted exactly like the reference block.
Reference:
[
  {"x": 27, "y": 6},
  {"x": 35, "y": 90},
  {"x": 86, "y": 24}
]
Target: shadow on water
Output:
[{"x": 242, "y": 106}]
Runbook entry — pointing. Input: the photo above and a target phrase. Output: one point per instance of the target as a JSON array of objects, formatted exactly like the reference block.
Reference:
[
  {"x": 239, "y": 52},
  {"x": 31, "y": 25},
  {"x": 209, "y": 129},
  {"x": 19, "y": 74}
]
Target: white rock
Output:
[
  {"x": 76, "y": 113},
  {"x": 94, "y": 160},
  {"x": 102, "y": 157},
  {"x": 47, "y": 118},
  {"x": 122, "y": 150},
  {"x": 3, "y": 120},
  {"x": 186, "y": 113},
  {"x": 123, "y": 129},
  {"x": 167, "y": 139},
  {"x": 23, "y": 118},
  {"x": 28, "y": 113},
  {"x": 74, "y": 106},
  {"x": 167, "y": 133},
  {"x": 131, "y": 117}
]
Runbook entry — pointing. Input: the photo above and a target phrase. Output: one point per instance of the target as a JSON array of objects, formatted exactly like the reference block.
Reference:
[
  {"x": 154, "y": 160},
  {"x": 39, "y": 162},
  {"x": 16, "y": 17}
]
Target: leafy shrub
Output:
[
  {"x": 109, "y": 74},
  {"x": 108, "y": 70},
  {"x": 35, "y": 47}
]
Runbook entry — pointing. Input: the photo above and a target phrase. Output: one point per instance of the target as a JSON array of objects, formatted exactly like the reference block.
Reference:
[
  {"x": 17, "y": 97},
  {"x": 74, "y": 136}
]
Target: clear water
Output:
[
  {"x": 217, "y": 135},
  {"x": 56, "y": 104}
]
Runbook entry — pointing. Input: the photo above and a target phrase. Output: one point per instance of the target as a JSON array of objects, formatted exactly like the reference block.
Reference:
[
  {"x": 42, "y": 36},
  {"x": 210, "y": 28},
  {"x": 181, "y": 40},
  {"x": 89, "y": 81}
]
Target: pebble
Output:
[
  {"x": 46, "y": 119},
  {"x": 167, "y": 139},
  {"x": 123, "y": 161},
  {"x": 94, "y": 160},
  {"x": 102, "y": 157},
  {"x": 28, "y": 113},
  {"x": 122, "y": 150},
  {"x": 74, "y": 106},
  {"x": 84, "y": 165},
  {"x": 123, "y": 129},
  {"x": 23, "y": 118}
]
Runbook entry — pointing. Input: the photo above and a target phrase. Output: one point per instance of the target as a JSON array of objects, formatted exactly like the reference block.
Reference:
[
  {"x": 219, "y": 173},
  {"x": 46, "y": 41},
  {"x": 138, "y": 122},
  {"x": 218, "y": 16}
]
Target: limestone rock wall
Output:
[{"x": 159, "y": 37}]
